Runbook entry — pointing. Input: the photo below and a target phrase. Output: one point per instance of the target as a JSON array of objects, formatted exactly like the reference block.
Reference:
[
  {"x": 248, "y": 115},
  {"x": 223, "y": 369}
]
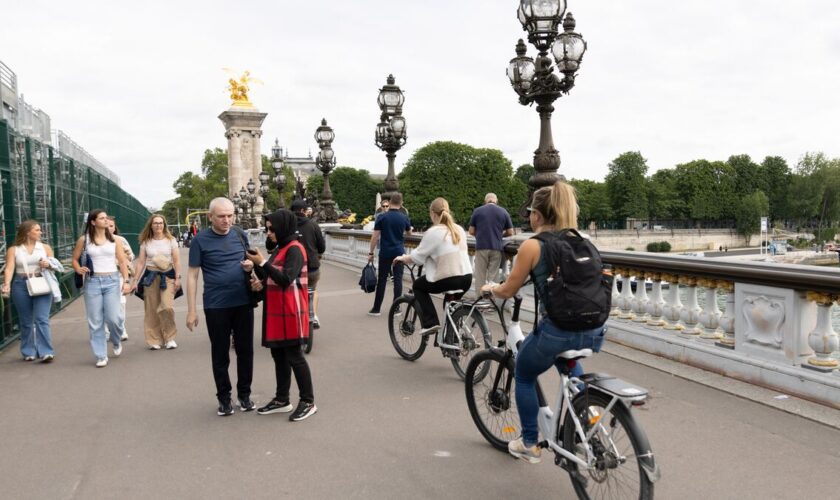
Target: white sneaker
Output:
[
  {"x": 124, "y": 336},
  {"x": 154, "y": 347},
  {"x": 518, "y": 449},
  {"x": 117, "y": 350},
  {"x": 101, "y": 362},
  {"x": 171, "y": 344}
]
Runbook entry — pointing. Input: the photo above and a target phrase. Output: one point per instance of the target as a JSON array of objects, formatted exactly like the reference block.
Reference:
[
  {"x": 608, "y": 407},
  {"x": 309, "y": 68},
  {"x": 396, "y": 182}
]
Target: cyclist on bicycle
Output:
[
  {"x": 553, "y": 208},
  {"x": 445, "y": 259}
]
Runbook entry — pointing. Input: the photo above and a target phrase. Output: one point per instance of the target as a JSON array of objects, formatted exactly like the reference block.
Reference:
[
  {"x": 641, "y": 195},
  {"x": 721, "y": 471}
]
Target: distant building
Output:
[{"x": 303, "y": 167}]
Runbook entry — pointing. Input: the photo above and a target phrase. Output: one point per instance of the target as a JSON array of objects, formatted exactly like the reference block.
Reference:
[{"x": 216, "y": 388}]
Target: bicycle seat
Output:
[
  {"x": 572, "y": 354},
  {"x": 453, "y": 294}
]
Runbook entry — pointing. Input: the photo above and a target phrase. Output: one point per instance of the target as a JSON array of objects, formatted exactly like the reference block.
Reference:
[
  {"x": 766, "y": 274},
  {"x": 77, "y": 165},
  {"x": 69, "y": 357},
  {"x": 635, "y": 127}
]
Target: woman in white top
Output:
[
  {"x": 102, "y": 283},
  {"x": 445, "y": 259},
  {"x": 158, "y": 261},
  {"x": 129, "y": 253},
  {"x": 33, "y": 312}
]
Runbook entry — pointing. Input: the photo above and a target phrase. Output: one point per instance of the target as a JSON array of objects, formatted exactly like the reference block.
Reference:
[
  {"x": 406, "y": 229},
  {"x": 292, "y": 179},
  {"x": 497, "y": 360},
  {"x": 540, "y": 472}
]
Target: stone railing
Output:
[{"x": 768, "y": 324}]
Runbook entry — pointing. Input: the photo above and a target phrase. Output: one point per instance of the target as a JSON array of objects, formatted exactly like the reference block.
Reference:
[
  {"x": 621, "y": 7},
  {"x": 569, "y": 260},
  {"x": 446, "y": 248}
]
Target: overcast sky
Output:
[{"x": 141, "y": 86}]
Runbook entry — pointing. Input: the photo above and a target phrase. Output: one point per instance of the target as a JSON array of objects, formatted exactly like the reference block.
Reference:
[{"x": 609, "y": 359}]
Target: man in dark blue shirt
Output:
[
  {"x": 219, "y": 252},
  {"x": 389, "y": 231},
  {"x": 489, "y": 223}
]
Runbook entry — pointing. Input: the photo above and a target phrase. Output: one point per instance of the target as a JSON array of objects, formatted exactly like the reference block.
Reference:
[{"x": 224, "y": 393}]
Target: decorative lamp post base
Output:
[{"x": 325, "y": 211}]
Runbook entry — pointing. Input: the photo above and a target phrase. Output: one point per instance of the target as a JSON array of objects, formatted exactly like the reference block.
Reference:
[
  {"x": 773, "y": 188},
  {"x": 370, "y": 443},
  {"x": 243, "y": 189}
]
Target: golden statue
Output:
[{"x": 239, "y": 88}]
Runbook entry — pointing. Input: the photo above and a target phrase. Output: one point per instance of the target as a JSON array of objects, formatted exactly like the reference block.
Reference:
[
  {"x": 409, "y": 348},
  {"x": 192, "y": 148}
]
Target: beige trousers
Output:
[
  {"x": 487, "y": 263},
  {"x": 159, "y": 321}
]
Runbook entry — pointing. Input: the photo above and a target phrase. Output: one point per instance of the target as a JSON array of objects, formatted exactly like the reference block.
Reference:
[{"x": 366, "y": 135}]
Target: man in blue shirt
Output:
[
  {"x": 389, "y": 231},
  {"x": 219, "y": 252},
  {"x": 489, "y": 223}
]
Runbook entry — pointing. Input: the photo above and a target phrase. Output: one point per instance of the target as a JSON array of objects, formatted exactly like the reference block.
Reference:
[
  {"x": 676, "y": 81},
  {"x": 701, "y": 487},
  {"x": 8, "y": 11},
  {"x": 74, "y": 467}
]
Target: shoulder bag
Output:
[{"x": 35, "y": 285}]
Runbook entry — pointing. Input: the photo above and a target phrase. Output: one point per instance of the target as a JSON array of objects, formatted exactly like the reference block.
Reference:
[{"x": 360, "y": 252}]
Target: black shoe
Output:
[
  {"x": 275, "y": 406},
  {"x": 225, "y": 409},
  {"x": 304, "y": 410},
  {"x": 246, "y": 404}
]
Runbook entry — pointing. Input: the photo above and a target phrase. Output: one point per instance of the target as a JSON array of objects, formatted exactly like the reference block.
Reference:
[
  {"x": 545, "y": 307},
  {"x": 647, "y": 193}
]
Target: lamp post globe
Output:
[
  {"x": 535, "y": 81},
  {"x": 390, "y": 134},
  {"x": 277, "y": 164},
  {"x": 324, "y": 136}
]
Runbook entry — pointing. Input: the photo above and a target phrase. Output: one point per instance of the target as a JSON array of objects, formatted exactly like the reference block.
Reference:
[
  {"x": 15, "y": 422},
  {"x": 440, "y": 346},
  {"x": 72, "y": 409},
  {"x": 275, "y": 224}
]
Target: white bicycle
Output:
[{"x": 590, "y": 428}]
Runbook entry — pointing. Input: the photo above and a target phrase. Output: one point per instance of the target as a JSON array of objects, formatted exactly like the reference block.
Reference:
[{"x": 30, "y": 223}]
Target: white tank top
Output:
[
  {"x": 32, "y": 260},
  {"x": 104, "y": 257}
]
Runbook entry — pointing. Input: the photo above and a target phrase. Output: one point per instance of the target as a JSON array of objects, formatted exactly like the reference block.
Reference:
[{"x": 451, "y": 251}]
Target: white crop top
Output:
[{"x": 104, "y": 257}]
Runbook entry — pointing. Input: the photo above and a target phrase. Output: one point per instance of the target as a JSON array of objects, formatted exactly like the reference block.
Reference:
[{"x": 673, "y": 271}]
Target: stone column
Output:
[{"x": 242, "y": 128}]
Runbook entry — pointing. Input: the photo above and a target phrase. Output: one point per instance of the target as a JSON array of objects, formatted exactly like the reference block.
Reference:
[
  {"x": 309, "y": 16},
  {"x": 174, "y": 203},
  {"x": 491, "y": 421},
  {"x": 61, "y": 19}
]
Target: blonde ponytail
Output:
[
  {"x": 440, "y": 207},
  {"x": 558, "y": 205}
]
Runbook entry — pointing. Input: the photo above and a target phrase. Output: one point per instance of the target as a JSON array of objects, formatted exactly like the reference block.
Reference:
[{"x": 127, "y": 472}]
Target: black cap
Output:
[{"x": 298, "y": 205}]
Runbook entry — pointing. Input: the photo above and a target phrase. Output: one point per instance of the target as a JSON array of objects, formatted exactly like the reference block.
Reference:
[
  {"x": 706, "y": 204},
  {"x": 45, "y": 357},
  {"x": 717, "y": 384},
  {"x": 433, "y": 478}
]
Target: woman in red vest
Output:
[{"x": 285, "y": 314}]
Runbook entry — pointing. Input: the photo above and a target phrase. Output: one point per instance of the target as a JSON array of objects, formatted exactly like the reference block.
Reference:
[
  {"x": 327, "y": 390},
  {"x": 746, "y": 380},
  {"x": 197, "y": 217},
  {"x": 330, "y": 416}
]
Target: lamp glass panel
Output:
[
  {"x": 548, "y": 8},
  {"x": 568, "y": 47},
  {"x": 398, "y": 125}
]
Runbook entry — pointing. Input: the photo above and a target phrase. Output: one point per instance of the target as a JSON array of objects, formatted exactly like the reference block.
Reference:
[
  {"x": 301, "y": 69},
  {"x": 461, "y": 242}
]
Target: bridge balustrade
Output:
[{"x": 768, "y": 324}]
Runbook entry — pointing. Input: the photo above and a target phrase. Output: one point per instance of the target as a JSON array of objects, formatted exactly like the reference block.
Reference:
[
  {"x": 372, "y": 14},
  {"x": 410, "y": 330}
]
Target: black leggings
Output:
[
  {"x": 423, "y": 288},
  {"x": 287, "y": 359}
]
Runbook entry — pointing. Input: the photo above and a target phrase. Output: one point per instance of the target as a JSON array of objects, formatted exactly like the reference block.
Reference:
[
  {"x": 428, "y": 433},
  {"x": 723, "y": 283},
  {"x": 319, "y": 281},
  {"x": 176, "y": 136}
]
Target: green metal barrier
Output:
[{"x": 37, "y": 182}]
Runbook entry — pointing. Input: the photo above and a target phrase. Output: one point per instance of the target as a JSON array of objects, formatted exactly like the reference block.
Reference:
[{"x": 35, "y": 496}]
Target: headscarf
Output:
[{"x": 284, "y": 224}]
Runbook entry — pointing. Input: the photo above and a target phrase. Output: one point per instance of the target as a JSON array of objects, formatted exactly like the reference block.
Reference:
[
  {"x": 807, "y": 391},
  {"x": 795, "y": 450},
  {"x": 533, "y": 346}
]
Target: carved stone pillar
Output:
[
  {"x": 615, "y": 298},
  {"x": 640, "y": 301},
  {"x": 726, "y": 323},
  {"x": 823, "y": 339},
  {"x": 690, "y": 315},
  {"x": 626, "y": 297},
  {"x": 242, "y": 129},
  {"x": 655, "y": 306},
  {"x": 673, "y": 305},
  {"x": 710, "y": 315}
]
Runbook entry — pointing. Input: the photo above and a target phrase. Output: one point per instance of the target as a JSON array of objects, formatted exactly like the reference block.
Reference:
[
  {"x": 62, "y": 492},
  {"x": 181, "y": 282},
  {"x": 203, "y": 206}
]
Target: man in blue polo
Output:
[
  {"x": 489, "y": 224},
  {"x": 389, "y": 231}
]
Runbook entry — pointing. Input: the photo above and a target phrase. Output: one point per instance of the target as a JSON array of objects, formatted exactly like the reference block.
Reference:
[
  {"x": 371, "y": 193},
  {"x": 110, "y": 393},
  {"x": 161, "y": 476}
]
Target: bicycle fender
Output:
[{"x": 612, "y": 386}]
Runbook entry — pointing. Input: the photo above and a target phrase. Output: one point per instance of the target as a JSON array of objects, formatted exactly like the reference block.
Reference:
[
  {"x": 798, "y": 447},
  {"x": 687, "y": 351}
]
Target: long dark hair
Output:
[{"x": 91, "y": 231}]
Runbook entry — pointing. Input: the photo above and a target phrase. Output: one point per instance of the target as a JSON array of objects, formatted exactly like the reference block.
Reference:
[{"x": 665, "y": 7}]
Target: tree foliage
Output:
[
  {"x": 749, "y": 212},
  {"x": 353, "y": 189},
  {"x": 463, "y": 175},
  {"x": 626, "y": 186},
  {"x": 593, "y": 202}
]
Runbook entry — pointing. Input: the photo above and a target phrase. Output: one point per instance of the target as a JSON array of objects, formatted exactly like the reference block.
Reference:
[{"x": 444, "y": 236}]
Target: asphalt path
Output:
[{"x": 146, "y": 425}]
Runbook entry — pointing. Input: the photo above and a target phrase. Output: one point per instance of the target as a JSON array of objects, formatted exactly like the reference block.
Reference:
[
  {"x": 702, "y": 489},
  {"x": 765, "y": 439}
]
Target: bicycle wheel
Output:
[
  {"x": 491, "y": 398},
  {"x": 619, "y": 445},
  {"x": 404, "y": 328},
  {"x": 475, "y": 336}
]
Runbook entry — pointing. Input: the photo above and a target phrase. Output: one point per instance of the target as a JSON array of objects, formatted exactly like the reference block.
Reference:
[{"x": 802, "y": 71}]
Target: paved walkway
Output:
[{"x": 146, "y": 427}]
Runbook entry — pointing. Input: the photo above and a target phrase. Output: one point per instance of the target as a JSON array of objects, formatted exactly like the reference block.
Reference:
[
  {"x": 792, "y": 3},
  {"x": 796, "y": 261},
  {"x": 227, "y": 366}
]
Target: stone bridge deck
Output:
[{"x": 145, "y": 426}]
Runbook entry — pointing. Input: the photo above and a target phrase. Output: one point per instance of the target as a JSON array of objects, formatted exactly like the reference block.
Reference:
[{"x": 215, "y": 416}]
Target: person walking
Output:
[
  {"x": 129, "y": 253},
  {"x": 553, "y": 208},
  {"x": 445, "y": 258},
  {"x": 158, "y": 279},
  {"x": 489, "y": 223},
  {"x": 313, "y": 241},
  {"x": 29, "y": 257},
  {"x": 102, "y": 283},
  {"x": 285, "y": 314},
  {"x": 391, "y": 228},
  {"x": 219, "y": 253}
]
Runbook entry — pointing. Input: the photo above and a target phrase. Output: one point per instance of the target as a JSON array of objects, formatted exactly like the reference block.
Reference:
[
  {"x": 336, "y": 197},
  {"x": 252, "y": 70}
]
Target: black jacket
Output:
[{"x": 312, "y": 240}]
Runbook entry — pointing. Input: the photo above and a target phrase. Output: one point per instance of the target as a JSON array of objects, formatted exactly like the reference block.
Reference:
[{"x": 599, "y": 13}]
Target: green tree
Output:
[
  {"x": 708, "y": 189},
  {"x": 775, "y": 171},
  {"x": 593, "y": 202},
  {"x": 524, "y": 172},
  {"x": 353, "y": 189},
  {"x": 626, "y": 185},
  {"x": 748, "y": 178},
  {"x": 460, "y": 173},
  {"x": 749, "y": 211},
  {"x": 664, "y": 200}
]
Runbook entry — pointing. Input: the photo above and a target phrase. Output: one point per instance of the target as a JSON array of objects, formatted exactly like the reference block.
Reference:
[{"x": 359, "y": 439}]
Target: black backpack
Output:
[{"x": 579, "y": 290}]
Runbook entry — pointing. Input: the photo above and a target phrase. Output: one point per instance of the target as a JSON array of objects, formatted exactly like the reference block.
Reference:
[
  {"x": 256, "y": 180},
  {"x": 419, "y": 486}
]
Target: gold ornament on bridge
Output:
[{"x": 239, "y": 88}]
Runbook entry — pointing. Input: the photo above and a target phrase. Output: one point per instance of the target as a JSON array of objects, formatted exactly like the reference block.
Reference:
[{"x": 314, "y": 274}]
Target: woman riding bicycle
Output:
[
  {"x": 445, "y": 259},
  {"x": 553, "y": 208}
]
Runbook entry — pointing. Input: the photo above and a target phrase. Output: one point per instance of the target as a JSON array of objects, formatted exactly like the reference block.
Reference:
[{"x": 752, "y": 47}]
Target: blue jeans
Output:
[
  {"x": 102, "y": 304},
  {"x": 34, "y": 320},
  {"x": 535, "y": 356}
]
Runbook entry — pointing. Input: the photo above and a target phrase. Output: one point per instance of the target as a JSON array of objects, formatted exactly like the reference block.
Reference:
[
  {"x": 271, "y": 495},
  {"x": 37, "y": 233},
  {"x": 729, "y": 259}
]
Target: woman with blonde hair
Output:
[
  {"x": 158, "y": 275},
  {"x": 553, "y": 209},
  {"x": 445, "y": 259},
  {"x": 29, "y": 257}
]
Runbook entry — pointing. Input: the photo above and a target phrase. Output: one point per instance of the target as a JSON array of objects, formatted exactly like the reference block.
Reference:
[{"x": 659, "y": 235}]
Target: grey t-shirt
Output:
[{"x": 490, "y": 221}]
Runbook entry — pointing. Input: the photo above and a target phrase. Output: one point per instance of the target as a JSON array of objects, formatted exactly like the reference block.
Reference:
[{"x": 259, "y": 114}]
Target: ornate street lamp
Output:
[
  {"x": 264, "y": 177},
  {"x": 237, "y": 201},
  {"x": 277, "y": 165},
  {"x": 252, "y": 200},
  {"x": 244, "y": 220},
  {"x": 390, "y": 133},
  {"x": 534, "y": 80},
  {"x": 324, "y": 135}
]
